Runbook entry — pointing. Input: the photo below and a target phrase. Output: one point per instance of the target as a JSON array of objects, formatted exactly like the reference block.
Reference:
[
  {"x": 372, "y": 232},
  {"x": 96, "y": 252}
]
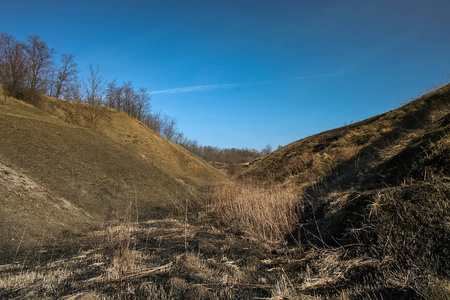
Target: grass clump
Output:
[{"x": 265, "y": 213}]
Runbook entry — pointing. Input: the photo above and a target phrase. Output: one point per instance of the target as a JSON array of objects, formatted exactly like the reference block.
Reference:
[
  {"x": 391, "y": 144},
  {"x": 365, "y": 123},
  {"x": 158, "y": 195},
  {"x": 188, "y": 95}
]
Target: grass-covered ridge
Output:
[
  {"x": 94, "y": 159},
  {"x": 378, "y": 190}
]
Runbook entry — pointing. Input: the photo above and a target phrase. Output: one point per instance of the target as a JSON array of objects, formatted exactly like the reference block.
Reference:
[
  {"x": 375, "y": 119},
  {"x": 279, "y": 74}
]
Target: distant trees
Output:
[
  {"x": 152, "y": 121},
  {"x": 127, "y": 99},
  {"x": 225, "y": 155},
  {"x": 266, "y": 150}
]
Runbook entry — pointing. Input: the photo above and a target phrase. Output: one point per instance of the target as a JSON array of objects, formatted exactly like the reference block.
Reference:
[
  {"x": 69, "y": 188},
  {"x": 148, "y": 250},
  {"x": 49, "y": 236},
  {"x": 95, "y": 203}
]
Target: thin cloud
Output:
[
  {"x": 210, "y": 87},
  {"x": 196, "y": 88}
]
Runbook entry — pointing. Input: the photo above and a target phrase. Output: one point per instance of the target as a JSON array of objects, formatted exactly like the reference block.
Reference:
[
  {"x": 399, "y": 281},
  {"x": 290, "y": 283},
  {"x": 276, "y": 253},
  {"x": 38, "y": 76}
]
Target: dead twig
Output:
[{"x": 133, "y": 276}]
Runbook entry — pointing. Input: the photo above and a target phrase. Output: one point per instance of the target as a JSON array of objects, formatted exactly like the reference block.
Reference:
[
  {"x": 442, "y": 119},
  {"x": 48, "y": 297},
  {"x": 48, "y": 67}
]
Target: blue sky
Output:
[{"x": 248, "y": 73}]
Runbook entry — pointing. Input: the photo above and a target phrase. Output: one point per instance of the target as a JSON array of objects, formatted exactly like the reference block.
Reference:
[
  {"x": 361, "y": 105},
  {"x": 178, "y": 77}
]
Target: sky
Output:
[{"x": 249, "y": 73}]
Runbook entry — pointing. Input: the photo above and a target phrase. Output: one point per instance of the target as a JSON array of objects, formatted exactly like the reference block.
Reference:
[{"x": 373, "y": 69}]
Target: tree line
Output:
[{"x": 31, "y": 69}]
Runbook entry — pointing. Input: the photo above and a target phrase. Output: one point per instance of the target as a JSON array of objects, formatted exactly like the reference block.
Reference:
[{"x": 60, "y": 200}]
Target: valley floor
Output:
[{"x": 175, "y": 259}]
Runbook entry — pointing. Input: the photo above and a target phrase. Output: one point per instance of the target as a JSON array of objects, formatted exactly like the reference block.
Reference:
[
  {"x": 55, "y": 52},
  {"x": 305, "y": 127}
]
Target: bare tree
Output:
[
  {"x": 13, "y": 68},
  {"x": 65, "y": 75},
  {"x": 94, "y": 86},
  {"x": 180, "y": 138},
  {"x": 169, "y": 128},
  {"x": 39, "y": 62},
  {"x": 153, "y": 121},
  {"x": 128, "y": 98},
  {"x": 51, "y": 81},
  {"x": 74, "y": 91},
  {"x": 142, "y": 103},
  {"x": 113, "y": 96},
  {"x": 192, "y": 145},
  {"x": 266, "y": 150}
]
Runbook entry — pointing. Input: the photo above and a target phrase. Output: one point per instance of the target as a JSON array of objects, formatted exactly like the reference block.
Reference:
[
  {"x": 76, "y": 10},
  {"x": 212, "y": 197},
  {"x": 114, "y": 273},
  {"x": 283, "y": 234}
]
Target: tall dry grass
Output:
[{"x": 266, "y": 213}]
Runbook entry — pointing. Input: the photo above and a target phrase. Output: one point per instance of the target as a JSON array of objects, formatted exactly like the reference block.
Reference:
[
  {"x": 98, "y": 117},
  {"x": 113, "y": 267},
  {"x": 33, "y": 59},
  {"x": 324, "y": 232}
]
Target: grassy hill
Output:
[
  {"x": 378, "y": 192},
  {"x": 356, "y": 148},
  {"x": 66, "y": 167}
]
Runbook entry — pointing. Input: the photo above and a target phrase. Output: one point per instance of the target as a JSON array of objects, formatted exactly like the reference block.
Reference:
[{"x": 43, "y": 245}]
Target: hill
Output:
[
  {"x": 66, "y": 167},
  {"x": 377, "y": 191},
  {"x": 353, "y": 149}
]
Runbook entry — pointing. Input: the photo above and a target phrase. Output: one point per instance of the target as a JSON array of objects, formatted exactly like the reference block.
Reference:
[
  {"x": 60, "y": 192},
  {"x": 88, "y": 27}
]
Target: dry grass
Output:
[
  {"x": 263, "y": 213},
  {"x": 132, "y": 262},
  {"x": 354, "y": 148},
  {"x": 284, "y": 289},
  {"x": 380, "y": 236},
  {"x": 78, "y": 175}
]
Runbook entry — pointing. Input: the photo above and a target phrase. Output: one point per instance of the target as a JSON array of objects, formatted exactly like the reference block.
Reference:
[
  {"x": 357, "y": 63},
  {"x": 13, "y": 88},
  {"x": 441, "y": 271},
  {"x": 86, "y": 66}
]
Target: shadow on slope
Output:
[{"x": 379, "y": 189}]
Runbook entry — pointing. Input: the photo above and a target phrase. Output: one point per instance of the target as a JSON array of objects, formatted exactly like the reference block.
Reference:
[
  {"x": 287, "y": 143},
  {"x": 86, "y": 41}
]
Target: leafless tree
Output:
[
  {"x": 13, "y": 68},
  {"x": 180, "y": 138},
  {"x": 94, "y": 86},
  {"x": 266, "y": 150},
  {"x": 128, "y": 98},
  {"x": 51, "y": 81},
  {"x": 142, "y": 103},
  {"x": 153, "y": 121},
  {"x": 113, "y": 96},
  {"x": 169, "y": 128},
  {"x": 191, "y": 145},
  {"x": 74, "y": 91},
  {"x": 39, "y": 60},
  {"x": 65, "y": 75}
]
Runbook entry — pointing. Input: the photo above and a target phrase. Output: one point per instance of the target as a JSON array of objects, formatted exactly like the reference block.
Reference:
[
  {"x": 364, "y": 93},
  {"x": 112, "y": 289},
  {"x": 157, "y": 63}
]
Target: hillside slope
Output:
[
  {"x": 354, "y": 149},
  {"x": 67, "y": 166},
  {"x": 376, "y": 191}
]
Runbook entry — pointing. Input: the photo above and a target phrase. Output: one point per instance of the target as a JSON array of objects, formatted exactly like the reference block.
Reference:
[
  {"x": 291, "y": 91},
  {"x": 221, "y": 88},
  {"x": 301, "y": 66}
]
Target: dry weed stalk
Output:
[
  {"x": 120, "y": 239},
  {"x": 264, "y": 213},
  {"x": 284, "y": 289}
]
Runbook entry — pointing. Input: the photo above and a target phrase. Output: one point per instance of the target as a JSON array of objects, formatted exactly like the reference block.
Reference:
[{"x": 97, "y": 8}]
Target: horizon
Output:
[{"x": 247, "y": 74}]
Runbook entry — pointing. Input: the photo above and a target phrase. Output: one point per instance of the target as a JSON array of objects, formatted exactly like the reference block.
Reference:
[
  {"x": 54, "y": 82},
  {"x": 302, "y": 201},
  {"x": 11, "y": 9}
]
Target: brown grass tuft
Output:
[{"x": 263, "y": 213}]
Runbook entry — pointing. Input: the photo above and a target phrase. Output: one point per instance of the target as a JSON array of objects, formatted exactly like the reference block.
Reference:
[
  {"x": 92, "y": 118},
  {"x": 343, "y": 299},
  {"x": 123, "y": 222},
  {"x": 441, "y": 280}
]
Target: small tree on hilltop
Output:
[
  {"x": 94, "y": 85},
  {"x": 266, "y": 150}
]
